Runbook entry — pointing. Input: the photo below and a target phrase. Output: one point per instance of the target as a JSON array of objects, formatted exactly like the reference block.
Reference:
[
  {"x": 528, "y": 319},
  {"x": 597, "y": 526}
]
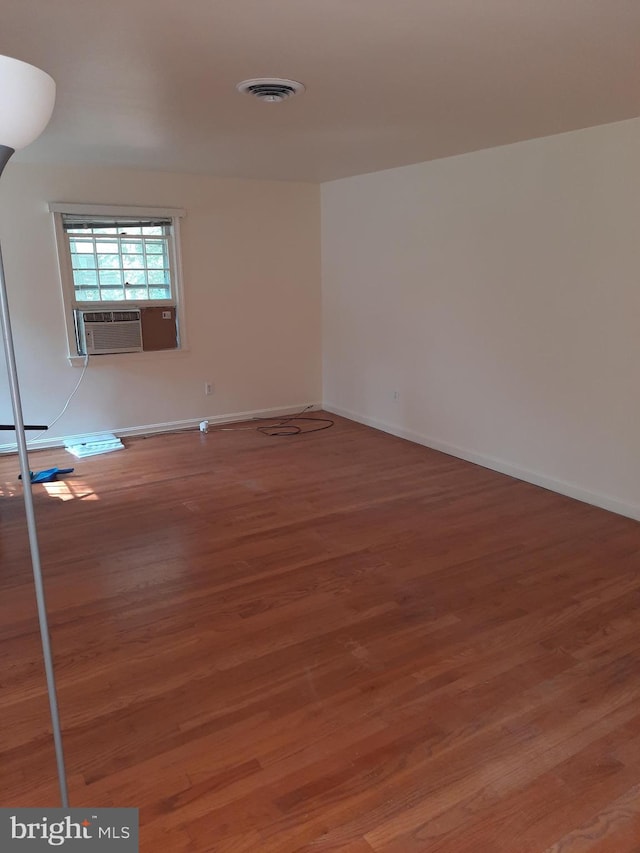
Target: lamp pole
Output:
[{"x": 26, "y": 102}]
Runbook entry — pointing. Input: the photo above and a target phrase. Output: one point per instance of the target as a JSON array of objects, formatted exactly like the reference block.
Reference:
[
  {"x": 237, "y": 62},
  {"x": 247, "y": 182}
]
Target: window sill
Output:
[{"x": 120, "y": 357}]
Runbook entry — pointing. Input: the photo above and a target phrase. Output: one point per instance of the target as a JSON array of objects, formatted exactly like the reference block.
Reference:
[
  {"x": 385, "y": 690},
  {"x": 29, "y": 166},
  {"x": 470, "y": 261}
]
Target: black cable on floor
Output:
[{"x": 284, "y": 427}]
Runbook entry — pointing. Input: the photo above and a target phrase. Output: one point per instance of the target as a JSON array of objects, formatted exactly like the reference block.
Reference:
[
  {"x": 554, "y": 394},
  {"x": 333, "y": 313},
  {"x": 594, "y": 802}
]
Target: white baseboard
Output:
[
  {"x": 169, "y": 426},
  {"x": 571, "y": 490}
]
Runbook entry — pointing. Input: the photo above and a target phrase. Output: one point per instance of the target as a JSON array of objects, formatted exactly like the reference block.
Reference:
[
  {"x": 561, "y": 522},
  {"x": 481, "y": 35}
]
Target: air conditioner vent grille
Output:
[
  {"x": 97, "y": 316},
  {"x": 116, "y": 336},
  {"x": 101, "y": 332},
  {"x": 123, "y": 316}
]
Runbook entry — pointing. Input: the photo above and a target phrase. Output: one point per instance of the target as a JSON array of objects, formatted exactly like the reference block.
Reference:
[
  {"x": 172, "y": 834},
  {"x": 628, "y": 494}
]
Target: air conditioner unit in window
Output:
[{"x": 102, "y": 332}]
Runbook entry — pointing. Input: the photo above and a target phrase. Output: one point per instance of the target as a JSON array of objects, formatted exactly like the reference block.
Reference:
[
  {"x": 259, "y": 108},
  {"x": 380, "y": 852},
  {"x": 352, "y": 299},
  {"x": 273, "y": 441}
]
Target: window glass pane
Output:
[
  {"x": 101, "y": 230},
  {"x": 108, "y": 262},
  {"x": 156, "y": 261},
  {"x": 135, "y": 277},
  {"x": 86, "y": 278},
  {"x": 84, "y": 262},
  {"x": 81, "y": 246},
  {"x": 130, "y": 229},
  {"x": 133, "y": 261},
  {"x": 110, "y": 277},
  {"x": 159, "y": 293},
  {"x": 106, "y": 247},
  {"x": 112, "y": 295},
  {"x": 136, "y": 293},
  {"x": 154, "y": 246},
  {"x": 87, "y": 294},
  {"x": 153, "y": 229},
  {"x": 158, "y": 276},
  {"x": 133, "y": 246}
]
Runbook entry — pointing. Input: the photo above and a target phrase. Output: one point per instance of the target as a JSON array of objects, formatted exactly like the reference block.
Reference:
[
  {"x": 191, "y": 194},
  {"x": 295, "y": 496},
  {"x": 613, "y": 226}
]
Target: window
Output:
[{"x": 118, "y": 258}]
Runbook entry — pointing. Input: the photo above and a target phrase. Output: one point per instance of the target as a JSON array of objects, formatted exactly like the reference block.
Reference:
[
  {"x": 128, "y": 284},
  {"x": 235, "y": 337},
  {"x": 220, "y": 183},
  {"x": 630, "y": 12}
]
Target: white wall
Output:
[
  {"x": 251, "y": 262},
  {"x": 499, "y": 293}
]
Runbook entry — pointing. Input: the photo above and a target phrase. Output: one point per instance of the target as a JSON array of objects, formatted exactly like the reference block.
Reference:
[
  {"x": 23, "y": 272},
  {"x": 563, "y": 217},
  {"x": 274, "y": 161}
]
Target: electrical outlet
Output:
[{"x": 208, "y": 388}]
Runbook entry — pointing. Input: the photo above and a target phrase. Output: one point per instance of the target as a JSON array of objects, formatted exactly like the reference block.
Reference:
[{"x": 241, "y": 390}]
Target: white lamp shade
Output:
[{"x": 27, "y": 96}]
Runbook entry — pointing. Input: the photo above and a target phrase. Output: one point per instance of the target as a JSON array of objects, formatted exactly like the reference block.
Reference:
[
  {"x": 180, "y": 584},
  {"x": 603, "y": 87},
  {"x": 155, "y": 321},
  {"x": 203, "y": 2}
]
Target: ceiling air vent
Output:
[{"x": 271, "y": 90}]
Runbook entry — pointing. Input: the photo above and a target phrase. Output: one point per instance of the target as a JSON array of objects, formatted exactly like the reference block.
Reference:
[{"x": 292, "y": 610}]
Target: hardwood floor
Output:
[{"x": 332, "y": 642}]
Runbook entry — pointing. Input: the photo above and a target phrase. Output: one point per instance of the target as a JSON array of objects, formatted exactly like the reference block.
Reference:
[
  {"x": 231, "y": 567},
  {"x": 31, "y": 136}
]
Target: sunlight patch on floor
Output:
[{"x": 69, "y": 491}]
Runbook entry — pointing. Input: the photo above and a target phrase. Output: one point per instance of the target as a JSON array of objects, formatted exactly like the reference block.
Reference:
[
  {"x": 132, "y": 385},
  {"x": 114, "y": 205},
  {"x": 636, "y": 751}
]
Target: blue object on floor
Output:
[{"x": 48, "y": 476}]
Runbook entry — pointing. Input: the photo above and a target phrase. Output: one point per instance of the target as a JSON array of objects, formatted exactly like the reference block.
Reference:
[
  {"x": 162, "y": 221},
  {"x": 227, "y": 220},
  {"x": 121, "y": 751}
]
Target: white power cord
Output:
[{"x": 66, "y": 405}]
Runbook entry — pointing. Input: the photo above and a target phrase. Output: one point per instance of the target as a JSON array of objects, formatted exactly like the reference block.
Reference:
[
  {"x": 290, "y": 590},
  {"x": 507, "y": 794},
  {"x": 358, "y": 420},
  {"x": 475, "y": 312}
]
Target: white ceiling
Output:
[{"x": 151, "y": 83}]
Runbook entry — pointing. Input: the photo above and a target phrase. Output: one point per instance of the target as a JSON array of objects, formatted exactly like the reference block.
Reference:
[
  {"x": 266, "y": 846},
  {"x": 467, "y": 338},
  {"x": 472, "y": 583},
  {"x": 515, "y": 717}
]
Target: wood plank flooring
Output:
[{"x": 332, "y": 642}]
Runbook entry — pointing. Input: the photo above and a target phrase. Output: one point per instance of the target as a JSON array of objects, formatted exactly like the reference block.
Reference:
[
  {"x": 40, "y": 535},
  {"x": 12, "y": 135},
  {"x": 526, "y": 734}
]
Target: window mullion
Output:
[
  {"x": 95, "y": 258},
  {"x": 96, "y": 253},
  {"x": 146, "y": 264},
  {"x": 121, "y": 264}
]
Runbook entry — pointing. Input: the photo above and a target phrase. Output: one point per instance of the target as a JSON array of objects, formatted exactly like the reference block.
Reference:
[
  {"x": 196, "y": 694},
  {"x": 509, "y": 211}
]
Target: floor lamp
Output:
[{"x": 27, "y": 95}]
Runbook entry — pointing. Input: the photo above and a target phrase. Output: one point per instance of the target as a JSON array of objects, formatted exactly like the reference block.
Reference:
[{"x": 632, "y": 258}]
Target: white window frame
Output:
[{"x": 66, "y": 273}]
